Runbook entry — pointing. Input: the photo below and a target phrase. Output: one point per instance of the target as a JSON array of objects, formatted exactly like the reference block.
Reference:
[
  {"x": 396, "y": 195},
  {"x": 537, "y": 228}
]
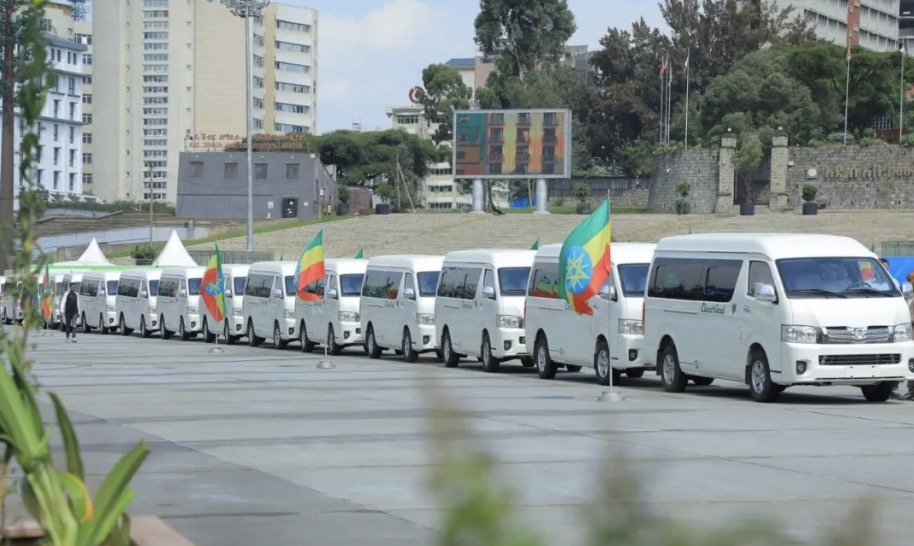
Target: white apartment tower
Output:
[
  {"x": 167, "y": 71},
  {"x": 83, "y": 35}
]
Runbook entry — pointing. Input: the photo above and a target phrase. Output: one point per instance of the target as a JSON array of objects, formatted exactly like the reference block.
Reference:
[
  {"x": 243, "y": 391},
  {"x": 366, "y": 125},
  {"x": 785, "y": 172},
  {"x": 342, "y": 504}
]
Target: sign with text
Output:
[
  {"x": 213, "y": 142},
  {"x": 526, "y": 144}
]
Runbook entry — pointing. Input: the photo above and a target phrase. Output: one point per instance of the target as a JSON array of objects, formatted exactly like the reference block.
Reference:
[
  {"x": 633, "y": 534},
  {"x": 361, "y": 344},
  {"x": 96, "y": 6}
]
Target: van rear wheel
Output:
[
  {"x": 544, "y": 364},
  {"x": 670, "y": 373},
  {"x": 880, "y": 392},
  {"x": 490, "y": 364}
]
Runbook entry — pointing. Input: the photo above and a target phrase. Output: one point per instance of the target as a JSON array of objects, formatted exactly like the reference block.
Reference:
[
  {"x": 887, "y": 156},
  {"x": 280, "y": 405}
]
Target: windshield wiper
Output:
[
  {"x": 870, "y": 290},
  {"x": 819, "y": 291}
]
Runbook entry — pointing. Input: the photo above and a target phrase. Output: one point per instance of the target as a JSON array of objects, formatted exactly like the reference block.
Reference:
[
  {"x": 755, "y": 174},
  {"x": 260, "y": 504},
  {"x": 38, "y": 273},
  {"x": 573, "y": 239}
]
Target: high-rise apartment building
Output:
[
  {"x": 82, "y": 34},
  {"x": 168, "y": 71}
]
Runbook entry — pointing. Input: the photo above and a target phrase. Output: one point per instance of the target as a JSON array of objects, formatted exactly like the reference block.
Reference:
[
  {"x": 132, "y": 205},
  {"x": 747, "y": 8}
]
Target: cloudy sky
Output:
[{"x": 371, "y": 52}]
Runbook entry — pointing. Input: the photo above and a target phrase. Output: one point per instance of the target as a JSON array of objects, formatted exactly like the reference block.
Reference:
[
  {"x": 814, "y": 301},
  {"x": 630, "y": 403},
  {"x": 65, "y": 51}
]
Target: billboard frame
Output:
[{"x": 566, "y": 164}]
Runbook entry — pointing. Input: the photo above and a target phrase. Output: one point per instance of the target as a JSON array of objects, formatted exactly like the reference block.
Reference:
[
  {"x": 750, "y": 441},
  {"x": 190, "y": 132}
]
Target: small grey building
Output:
[{"x": 214, "y": 185}]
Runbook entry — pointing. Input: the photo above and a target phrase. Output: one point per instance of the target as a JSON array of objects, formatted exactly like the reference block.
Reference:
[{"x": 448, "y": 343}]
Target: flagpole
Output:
[
  {"x": 686, "y": 138},
  {"x": 669, "y": 105},
  {"x": 611, "y": 395},
  {"x": 847, "y": 91},
  {"x": 901, "y": 97},
  {"x": 662, "y": 100}
]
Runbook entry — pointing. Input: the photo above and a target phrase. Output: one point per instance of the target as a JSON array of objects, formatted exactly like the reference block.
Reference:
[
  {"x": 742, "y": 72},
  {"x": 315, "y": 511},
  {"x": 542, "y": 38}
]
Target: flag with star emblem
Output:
[
  {"x": 584, "y": 260},
  {"x": 213, "y": 293},
  {"x": 310, "y": 267}
]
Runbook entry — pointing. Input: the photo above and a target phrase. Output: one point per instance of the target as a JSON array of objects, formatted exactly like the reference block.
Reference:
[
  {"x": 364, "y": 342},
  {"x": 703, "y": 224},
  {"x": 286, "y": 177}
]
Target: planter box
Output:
[
  {"x": 747, "y": 209},
  {"x": 382, "y": 208},
  {"x": 144, "y": 531},
  {"x": 342, "y": 209},
  {"x": 584, "y": 208},
  {"x": 810, "y": 209}
]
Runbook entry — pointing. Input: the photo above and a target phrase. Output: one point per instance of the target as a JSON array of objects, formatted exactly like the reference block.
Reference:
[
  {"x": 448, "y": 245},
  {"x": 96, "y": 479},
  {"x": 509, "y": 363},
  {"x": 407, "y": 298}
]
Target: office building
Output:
[
  {"x": 171, "y": 74},
  {"x": 58, "y": 169},
  {"x": 82, "y": 33}
]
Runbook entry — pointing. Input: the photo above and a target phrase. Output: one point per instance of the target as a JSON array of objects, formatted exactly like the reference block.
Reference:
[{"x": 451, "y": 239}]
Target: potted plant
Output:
[
  {"x": 385, "y": 193},
  {"x": 582, "y": 192},
  {"x": 746, "y": 159},
  {"x": 810, "y": 207},
  {"x": 683, "y": 205},
  {"x": 342, "y": 208}
]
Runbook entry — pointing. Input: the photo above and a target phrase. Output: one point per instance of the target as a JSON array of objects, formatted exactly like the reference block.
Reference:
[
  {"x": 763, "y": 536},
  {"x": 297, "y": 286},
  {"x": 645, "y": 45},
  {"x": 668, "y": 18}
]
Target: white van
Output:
[
  {"x": 97, "y": 297},
  {"x": 178, "y": 302},
  {"x": 135, "y": 303},
  {"x": 479, "y": 306},
  {"x": 333, "y": 320},
  {"x": 59, "y": 288},
  {"x": 610, "y": 340},
  {"x": 3, "y": 300},
  {"x": 397, "y": 309},
  {"x": 268, "y": 309},
  {"x": 12, "y": 301},
  {"x": 772, "y": 311},
  {"x": 235, "y": 276}
]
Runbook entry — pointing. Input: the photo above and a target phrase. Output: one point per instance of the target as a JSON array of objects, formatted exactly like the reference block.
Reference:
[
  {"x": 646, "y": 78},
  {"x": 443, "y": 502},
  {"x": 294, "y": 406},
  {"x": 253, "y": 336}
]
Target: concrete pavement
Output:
[{"x": 258, "y": 443}]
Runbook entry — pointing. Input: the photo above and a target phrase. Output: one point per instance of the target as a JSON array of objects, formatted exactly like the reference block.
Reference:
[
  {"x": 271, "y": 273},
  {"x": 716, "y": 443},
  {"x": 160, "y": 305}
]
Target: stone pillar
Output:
[
  {"x": 725, "y": 175},
  {"x": 542, "y": 197},
  {"x": 479, "y": 197},
  {"x": 780, "y": 157}
]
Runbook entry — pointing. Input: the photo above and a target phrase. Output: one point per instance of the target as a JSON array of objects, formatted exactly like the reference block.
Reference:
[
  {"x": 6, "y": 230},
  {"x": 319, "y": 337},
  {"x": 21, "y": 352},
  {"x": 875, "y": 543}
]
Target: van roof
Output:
[
  {"x": 426, "y": 262},
  {"x": 772, "y": 245},
  {"x": 184, "y": 271},
  {"x": 99, "y": 275},
  {"x": 282, "y": 268},
  {"x": 235, "y": 269},
  {"x": 497, "y": 257},
  {"x": 346, "y": 265},
  {"x": 620, "y": 253},
  {"x": 142, "y": 274}
]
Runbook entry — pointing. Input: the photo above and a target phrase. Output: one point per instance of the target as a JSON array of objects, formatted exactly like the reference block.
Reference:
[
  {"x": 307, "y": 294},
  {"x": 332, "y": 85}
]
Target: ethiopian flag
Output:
[
  {"x": 360, "y": 254},
  {"x": 584, "y": 260},
  {"x": 213, "y": 293},
  {"x": 310, "y": 267},
  {"x": 47, "y": 301}
]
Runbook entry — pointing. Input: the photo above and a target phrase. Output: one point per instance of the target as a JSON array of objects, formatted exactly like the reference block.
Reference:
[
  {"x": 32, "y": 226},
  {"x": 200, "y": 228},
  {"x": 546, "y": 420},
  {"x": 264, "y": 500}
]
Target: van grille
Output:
[
  {"x": 844, "y": 335},
  {"x": 859, "y": 360}
]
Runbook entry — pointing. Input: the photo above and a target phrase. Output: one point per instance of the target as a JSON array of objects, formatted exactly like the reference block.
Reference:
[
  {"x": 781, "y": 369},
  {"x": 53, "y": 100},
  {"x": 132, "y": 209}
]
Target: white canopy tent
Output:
[
  {"x": 93, "y": 255},
  {"x": 174, "y": 254}
]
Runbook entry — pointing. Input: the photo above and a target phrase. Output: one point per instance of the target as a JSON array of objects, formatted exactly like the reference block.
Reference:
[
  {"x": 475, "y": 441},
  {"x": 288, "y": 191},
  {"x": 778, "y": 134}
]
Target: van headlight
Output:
[
  {"x": 111, "y": 308},
  {"x": 152, "y": 309},
  {"x": 901, "y": 332},
  {"x": 791, "y": 333},
  {"x": 191, "y": 310},
  {"x": 236, "y": 311},
  {"x": 630, "y": 326},
  {"x": 425, "y": 318},
  {"x": 348, "y": 316},
  {"x": 509, "y": 321},
  {"x": 289, "y": 313}
]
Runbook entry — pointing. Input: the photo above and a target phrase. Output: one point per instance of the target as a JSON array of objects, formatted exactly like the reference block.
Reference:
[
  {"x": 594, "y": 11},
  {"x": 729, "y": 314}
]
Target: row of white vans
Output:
[{"x": 766, "y": 310}]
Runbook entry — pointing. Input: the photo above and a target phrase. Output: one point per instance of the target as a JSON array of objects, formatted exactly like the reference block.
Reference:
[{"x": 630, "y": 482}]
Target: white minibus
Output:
[
  {"x": 268, "y": 309},
  {"x": 397, "y": 309},
  {"x": 59, "y": 288},
  {"x": 12, "y": 301},
  {"x": 3, "y": 315},
  {"x": 479, "y": 306},
  {"x": 135, "y": 304},
  {"x": 610, "y": 340},
  {"x": 333, "y": 320},
  {"x": 97, "y": 298},
  {"x": 776, "y": 310},
  {"x": 235, "y": 276},
  {"x": 178, "y": 302}
]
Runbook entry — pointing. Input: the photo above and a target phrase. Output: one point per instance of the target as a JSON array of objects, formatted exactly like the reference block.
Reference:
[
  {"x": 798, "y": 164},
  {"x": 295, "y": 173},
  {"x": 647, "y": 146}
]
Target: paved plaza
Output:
[{"x": 257, "y": 443}]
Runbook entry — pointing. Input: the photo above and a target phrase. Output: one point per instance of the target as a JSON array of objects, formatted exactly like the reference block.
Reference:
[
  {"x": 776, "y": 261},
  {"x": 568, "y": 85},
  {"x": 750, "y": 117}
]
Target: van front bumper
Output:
[
  {"x": 350, "y": 333},
  {"x": 291, "y": 329},
  {"x": 194, "y": 323},
  {"x": 112, "y": 319},
  {"x": 152, "y": 319},
  {"x": 852, "y": 364},
  {"x": 508, "y": 343},
  {"x": 630, "y": 354},
  {"x": 236, "y": 325},
  {"x": 425, "y": 341}
]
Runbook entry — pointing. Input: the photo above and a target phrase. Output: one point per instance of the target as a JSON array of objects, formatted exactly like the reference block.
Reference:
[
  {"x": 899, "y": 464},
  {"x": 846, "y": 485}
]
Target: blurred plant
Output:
[{"x": 57, "y": 498}]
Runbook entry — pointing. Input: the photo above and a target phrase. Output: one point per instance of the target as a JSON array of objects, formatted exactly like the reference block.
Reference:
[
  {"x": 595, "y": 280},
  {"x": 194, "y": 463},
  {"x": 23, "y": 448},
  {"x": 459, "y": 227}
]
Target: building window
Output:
[
  {"x": 87, "y": 179},
  {"x": 289, "y": 128},
  {"x": 56, "y": 155},
  {"x": 289, "y": 46},
  {"x": 155, "y": 36},
  {"x": 87, "y": 58},
  {"x": 87, "y": 99},
  {"x": 72, "y": 158},
  {"x": 196, "y": 169},
  {"x": 260, "y": 171},
  {"x": 290, "y": 108},
  {"x": 71, "y": 85},
  {"x": 294, "y": 27},
  {"x": 73, "y": 135},
  {"x": 87, "y": 138},
  {"x": 408, "y": 120},
  {"x": 87, "y": 119},
  {"x": 87, "y": 158},
  {"x": 293, "y": 67},
  {"x": 72, "y": 182},
  {"x": 292, "y": 171},
  {"x": 292, "y": 87},
  {"x": 231, "y": 171},
  {"x": 56, "y": 179},
  {"x": 258, "y": 61},
  {"x": 73, "y": 110},
  {"x": 56, "y": 131}
]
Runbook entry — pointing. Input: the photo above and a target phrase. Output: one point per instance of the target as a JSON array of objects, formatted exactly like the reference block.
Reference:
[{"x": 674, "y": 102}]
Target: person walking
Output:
[{"x": 69, "y": 309}]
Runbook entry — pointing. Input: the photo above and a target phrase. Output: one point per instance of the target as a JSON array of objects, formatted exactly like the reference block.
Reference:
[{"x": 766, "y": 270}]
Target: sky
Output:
[{"x": 371, "y": 52}]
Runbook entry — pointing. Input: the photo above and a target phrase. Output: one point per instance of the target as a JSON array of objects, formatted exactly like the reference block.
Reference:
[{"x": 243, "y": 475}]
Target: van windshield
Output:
[
  {"x": 428, "y": 282},
  {"x": 290, "y": 285},
  {"x": 112, "y": 288},
  {"x": 239, "y": 285},
  {"x": 351, "y": 285},
  {"x": 153, "y": 287},
  {"x": 835, "y": 277},
  {"x": 512, "y": 281},
  {"x": 633, "y": 278},
  {"x": 193, "y": 286}
]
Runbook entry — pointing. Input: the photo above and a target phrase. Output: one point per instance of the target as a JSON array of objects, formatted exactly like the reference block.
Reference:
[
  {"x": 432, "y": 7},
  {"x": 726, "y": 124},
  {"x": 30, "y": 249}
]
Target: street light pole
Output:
[
  {"x": 248, "y": 9},
  {"x": 151, "y": 217}
]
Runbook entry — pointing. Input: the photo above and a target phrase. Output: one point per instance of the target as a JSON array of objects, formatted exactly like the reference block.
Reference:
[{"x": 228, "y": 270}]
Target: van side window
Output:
[
  {"x": 409, "y": 282},
  {"x": 331, "y": 283},
  {"x": 759, "y": 272},
  {"x": 676, "y": 279},
  {"x": 88, "y": 289},
  {"x": 459, "y": 282},
  {"x": 382, "y": 284},
  {"x": 720, "y": 279},
  {"x": 488, "y": 279},
  {"x": 259, "y": 286},
  {"x": 544, "y": 281}
]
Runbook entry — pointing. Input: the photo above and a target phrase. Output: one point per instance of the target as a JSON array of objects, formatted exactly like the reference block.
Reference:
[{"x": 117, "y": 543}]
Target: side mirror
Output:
[
  {"x": 144, "y": 294},
  {"x": 278, "y": 294},
  {"x": 102, "y": 293},
  {"x": 228, "y": 292},
  {"x": 488, "y": 292},
  {"x": 409, "y": 293},
  {"x": 332, "y": 293},
  {"x": 764, "y": 293},
  {"x": 182, "y": 293},
  {"x": 608, "y": 292},
  {"x": 907, "y": 289}
]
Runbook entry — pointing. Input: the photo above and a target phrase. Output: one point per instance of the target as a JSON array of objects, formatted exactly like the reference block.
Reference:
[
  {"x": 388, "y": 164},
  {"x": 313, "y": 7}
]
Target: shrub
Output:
[
  {"x": 809, "y": 192},
  {"x": 684, "y": 189},
  {"x": 145, "y": 252},
  {"x": 907, "y": 140},
  {"x": 343, "y": 193},
  {"x": 581, "y": 191}
]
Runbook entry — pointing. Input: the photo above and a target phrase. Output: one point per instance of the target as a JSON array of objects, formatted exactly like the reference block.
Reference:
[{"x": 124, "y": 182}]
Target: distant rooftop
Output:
[{"x": 463, "y": 62}]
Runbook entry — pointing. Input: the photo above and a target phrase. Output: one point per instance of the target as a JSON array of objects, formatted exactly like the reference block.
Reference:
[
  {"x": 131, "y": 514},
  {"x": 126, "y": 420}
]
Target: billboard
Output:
[{"x": 512, "y": 144}]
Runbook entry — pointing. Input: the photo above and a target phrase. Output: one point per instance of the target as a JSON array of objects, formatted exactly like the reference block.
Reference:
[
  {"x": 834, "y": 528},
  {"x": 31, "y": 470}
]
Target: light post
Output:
[
  {"x": 246, "y": 9},
  {"x": 151, "y": 200}
]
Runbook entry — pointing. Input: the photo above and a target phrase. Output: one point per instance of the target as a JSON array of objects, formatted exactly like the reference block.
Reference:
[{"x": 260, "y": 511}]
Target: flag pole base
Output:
[
  {"x": 217, "y": 349},
  {"x": 611, "y": 396},
  {"x": 325, "y": 365}
]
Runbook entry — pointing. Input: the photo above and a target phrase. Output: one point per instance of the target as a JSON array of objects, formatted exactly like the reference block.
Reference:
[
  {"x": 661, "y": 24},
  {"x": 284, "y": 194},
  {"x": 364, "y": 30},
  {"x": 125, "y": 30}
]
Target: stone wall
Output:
[{"x": 697, "y": 167}]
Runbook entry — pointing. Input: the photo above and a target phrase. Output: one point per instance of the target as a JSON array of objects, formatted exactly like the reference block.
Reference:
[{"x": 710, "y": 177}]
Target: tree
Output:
[
  {"x": 521, "y": 35},
  {"x": 443, "y": 93},
  {"x": 746, "y": 159}
]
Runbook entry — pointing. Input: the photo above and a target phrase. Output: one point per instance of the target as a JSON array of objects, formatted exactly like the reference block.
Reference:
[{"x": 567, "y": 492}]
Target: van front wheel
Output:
[
  {"x": 490, "y": 364},
  {"x": 371, "y": 345},
  {"x": 278, "y": 341},
  {"x": 208, "y": 337},
  {"x": 448, "y": 355},
  {"x": 670, "y": 373},
  {"x": 760, "y": 385},
  {"x": 544, "y": 364},
  {"x": 601, "y": 365}
]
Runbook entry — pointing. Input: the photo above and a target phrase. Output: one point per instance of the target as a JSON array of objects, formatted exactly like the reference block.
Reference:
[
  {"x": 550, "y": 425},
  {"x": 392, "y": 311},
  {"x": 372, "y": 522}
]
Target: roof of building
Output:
[
  {"x": 57, "y": 41},
  {"x": 461, "y": 62}
]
